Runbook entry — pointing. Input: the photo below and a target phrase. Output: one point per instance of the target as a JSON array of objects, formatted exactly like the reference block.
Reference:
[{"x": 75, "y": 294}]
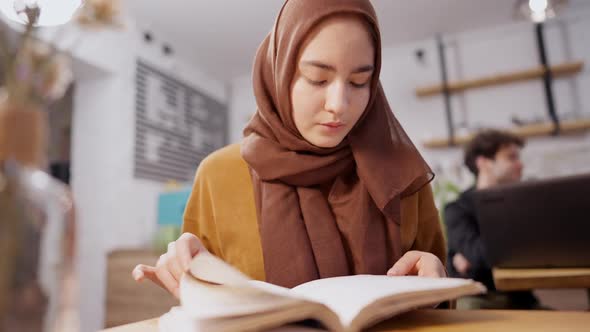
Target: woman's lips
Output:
[
  {"x": 332, "y": 127},
  {"x": 333, "y": 124}
]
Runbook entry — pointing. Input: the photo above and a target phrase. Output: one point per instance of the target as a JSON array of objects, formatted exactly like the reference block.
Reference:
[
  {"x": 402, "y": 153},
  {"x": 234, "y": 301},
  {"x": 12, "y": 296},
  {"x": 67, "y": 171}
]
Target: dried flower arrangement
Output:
[
  {"x": 34, "y": 75},
  {"x": 37, "y": 73}
]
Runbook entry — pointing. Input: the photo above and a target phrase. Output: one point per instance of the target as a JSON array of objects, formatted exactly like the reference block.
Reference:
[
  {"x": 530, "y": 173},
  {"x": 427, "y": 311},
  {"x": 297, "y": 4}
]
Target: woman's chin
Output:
[{"x": 325, "y": 142}]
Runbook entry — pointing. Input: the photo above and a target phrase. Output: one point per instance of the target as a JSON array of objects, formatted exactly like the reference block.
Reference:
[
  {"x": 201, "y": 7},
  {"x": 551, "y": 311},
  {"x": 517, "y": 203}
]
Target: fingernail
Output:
[{"x": 137, "y": 274}]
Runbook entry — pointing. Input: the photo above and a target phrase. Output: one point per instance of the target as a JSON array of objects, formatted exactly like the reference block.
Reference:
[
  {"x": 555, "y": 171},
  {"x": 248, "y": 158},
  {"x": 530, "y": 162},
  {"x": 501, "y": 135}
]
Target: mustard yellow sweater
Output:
[{"x": 222, "y": 213}]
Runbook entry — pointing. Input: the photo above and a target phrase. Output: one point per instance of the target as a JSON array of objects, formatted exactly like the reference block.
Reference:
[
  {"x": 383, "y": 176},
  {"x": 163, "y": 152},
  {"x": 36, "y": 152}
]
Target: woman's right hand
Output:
[{"x": 172, "y": 264}]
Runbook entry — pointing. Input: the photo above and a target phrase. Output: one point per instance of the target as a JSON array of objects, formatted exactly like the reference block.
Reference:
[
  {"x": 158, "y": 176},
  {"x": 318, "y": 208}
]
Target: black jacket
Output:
[{"x": 463, "y": 237}]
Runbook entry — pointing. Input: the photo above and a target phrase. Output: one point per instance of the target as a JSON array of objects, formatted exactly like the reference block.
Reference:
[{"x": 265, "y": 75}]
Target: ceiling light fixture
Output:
[{"x": 539, "y": 11}]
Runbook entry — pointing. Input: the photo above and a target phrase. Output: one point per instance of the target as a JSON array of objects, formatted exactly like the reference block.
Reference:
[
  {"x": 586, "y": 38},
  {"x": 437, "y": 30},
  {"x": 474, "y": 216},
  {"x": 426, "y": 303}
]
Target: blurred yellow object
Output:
[{"x": 172, "y": 185}]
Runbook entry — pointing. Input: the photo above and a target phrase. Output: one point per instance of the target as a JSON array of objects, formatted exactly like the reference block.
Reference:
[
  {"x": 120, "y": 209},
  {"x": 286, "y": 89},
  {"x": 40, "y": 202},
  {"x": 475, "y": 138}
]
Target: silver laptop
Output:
[{"x": 536, "y": 224}]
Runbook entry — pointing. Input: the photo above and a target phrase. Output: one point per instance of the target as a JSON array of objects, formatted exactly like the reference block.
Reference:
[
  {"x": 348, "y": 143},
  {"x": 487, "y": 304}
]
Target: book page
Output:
[
  {"x": 207, "y": 267},
  {"x": 210, "y": 301},
  {"x": 347, "y": 296},
  {"x": 271, "y": 288},
  {"x": 214, "y": 289},
  {"x": 180, "y": 320}
]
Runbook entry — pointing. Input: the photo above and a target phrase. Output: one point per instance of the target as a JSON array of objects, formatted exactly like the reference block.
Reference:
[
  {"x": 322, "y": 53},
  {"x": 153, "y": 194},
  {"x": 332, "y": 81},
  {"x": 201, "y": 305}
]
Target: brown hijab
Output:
[{"x": 308, "y": 233}]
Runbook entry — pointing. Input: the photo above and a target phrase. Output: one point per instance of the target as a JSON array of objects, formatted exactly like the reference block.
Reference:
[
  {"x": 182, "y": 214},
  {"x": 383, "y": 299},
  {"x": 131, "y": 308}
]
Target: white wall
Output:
[
  {"x": 242, "y": 105},
  {"x": 487, "y": 52},
  {"x": 114, "y": 210},
  {"x": 471, "y": 55}
]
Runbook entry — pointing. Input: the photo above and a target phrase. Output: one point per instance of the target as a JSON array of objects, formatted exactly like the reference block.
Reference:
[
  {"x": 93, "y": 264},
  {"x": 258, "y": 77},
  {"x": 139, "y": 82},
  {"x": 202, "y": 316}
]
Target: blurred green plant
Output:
[
  {"x": 164, "y": 235},
  {"x": 445, "y": 191}
]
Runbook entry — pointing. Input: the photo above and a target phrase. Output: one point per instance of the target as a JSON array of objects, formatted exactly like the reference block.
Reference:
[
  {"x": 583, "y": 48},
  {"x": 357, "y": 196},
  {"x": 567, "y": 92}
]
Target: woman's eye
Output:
[
  {"x": 316, "y": 83},
  {"x": 359, "y": 85}
]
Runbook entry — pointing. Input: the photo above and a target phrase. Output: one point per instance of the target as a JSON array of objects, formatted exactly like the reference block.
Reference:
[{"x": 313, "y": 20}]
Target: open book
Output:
[{"x": 216, "y": 297}]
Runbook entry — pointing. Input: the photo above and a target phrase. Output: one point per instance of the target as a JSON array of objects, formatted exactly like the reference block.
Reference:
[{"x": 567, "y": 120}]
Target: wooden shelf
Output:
[
  {"x": 499, "y": 79},
  {"x": 534, "y": 130}
]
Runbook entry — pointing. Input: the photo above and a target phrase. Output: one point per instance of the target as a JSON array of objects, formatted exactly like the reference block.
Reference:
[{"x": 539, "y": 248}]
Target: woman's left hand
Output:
[{"x": 418, "y": 263}]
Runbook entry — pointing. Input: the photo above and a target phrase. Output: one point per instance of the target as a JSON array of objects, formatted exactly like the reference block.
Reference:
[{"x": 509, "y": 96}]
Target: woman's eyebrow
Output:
[
  {"x": 318, "y": 64},
  {"x": 363, "y": 69},
  {"x": 321, "y": 65}
]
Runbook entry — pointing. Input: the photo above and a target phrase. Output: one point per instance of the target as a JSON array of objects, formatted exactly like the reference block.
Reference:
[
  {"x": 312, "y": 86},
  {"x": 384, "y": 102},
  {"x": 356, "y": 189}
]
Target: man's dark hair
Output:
[{"x": 486, "y": 144}]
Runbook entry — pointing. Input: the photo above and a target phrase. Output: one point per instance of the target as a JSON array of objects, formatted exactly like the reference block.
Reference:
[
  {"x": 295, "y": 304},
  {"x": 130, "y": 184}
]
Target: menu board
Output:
[{"x": 176, "y": 126}]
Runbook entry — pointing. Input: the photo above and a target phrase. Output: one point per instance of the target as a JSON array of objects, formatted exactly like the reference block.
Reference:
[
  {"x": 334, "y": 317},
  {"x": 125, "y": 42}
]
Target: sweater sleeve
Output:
[
  {"x": 199, "y": 218},
  {"x": 429, "y": 236}
]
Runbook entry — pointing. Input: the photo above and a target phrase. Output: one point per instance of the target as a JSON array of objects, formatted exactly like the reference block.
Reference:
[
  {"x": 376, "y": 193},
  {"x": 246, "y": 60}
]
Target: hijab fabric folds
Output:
[{"x": 308, "y": 232}]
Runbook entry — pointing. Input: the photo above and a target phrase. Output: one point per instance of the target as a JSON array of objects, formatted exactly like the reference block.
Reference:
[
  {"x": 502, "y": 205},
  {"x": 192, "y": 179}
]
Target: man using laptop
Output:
[{"x": 494, "y": 158}]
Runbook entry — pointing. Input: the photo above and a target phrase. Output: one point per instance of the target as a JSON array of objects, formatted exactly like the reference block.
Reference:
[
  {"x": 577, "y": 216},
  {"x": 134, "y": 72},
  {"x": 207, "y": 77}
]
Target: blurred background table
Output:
[
  {"x": 536, "y": 279},
  {"x": 128, "y": 301}
]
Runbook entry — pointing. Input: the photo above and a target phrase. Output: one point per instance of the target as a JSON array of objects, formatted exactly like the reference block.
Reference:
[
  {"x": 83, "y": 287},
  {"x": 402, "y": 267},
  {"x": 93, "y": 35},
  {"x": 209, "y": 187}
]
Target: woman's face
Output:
[{"x": 332, "y": 85}]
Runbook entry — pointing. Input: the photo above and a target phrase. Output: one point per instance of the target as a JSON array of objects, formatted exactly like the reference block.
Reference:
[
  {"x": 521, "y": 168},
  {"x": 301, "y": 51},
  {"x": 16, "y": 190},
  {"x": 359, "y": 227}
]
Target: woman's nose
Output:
[{"x": 337, "y": 98}]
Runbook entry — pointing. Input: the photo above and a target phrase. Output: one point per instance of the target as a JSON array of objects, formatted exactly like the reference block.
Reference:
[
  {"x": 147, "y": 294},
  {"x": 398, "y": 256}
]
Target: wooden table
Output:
[
  {"x": 526, "y": 279},
  {"x": 529, "y": 279},
  {"x": 455, "y": 320}
]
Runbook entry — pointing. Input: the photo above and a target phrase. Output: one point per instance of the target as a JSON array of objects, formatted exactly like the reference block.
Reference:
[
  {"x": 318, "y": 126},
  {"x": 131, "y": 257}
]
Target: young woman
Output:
[{"x": 325, "y": 182}]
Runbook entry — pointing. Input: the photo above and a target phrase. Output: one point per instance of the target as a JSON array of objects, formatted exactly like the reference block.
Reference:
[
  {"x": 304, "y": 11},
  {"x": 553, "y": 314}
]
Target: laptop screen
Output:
[{"x": 540, "y": 223}]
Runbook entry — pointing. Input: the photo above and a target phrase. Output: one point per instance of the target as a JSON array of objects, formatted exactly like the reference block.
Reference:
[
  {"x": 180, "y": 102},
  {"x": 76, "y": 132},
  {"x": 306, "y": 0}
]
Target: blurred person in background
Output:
[{"x": 494, "y": 159}]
